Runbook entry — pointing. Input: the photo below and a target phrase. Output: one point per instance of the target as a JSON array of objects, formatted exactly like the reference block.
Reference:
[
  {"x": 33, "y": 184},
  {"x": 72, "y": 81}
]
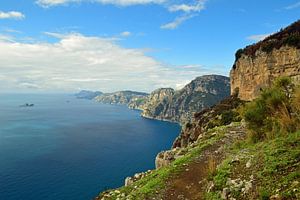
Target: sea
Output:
[{"x": 64, "y": 148}]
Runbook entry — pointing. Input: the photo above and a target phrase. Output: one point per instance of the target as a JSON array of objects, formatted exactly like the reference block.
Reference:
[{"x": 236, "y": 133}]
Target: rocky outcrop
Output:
[
  {"x": 257, "y": 66},
  {"x": 179, "y": 106},
  {"x": 122, "y": 97},
  {"x": 86, "y": 94},
  {"x": 251, "y": 74},
  {"x": 221, "y": 114},
  {"x": 157, "y": 102}
]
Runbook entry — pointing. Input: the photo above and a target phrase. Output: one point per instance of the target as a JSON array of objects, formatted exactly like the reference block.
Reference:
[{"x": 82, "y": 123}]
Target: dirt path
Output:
[{"x": 191, "y": 183}]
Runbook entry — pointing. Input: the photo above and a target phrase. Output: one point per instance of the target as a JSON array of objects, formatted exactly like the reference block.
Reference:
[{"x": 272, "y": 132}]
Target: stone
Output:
[
  {"x": 251, "y": 73},
  {"x": 249, "y": 163},
  {"x": 275, "y": 197},
  {"x": 248, "y": 187},
  {"x": 225, "y": 193},
  {"x": 211, "y": 186},
  {"x": 180, "y": 105},
  {"x": 164, "y": 158}
]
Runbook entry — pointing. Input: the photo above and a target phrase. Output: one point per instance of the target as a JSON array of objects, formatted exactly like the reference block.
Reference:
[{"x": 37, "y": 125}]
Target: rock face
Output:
[
  {"x": 86, "y": 94},
  {"x": 257, "y": 66},
  {"x": 132, "y": 98},
  {"x": 253, "y": 73},
  {"x": 179, "y": 106},
  {"x": 220, "y": 114}
]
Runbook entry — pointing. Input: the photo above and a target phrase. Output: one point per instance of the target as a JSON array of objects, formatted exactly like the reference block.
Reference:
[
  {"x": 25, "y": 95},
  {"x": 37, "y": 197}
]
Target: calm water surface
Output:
[{"x": 69, "y": 149}]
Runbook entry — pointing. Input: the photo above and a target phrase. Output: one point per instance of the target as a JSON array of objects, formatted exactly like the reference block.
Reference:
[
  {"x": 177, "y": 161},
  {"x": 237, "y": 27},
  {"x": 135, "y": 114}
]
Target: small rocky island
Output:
[{"x": 27, "y": 105}]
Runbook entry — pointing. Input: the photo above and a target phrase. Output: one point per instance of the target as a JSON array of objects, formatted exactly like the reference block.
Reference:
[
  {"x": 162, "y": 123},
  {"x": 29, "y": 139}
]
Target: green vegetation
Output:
[
  {"x": 275, "y": 112},
  {"x": 273, "y": 121}
]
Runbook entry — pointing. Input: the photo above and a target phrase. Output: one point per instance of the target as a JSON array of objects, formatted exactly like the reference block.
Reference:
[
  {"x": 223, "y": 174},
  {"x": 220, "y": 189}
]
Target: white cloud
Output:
[
  {"x": 257, "y": 38},
  {"x": 125, "y": 34},
  {"x": 177, "y": 22},
  {"x": 77, "y": 61},
  {"x": 49, "y": 3},
  {"x": 197, "y": 7},
  {"x": 293, "y": 6},
  {"x": 11, "y": 15},
  {"x": 191, "y": 11}
]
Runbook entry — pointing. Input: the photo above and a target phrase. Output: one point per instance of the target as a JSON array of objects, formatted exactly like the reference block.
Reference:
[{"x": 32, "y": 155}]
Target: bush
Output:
[
  {"x": 229, "y": 116},
  {"x": 275, "y": 112},
  {"x": 293, "y": 40},
  {"x": 238, "y": 54}
]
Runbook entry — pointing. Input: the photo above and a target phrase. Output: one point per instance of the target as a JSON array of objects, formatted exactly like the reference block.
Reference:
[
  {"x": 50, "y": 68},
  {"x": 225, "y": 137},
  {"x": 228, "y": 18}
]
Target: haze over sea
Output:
[{"x": 65, "y": 148}]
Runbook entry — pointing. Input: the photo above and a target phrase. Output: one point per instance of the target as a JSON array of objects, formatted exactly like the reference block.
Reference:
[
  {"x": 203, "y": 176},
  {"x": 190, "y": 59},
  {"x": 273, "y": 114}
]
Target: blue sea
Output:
[{"x": 64, "y": 148}]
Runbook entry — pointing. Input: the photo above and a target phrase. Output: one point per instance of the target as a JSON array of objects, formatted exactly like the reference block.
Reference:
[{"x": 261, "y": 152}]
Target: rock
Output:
[
  {"x": 179, "y": 106},
  {"x": 225, "y": 193},
  {"x": 249, "y": 163},
  {"x": 164, "y": 159},
  {"x": 181, "y": 197},
  {"x": 196, "y": 131},
  {"x": 128, "y": 181},
  {"x": 255, "y": 69},
  {"x": 248, "y": 187},
  {"x": 236, "y": 159},
  {"x": 211, "y": 186},
  {"x": 275, "y": 197}
]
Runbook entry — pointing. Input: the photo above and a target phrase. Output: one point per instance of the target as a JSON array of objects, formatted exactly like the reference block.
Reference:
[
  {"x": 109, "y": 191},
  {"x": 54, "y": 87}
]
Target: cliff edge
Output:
[{"x": 258, "y": 65}]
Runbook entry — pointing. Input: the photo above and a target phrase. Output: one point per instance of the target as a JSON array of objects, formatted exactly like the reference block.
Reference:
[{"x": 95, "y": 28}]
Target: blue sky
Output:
[{"x": 51, "y": 45}]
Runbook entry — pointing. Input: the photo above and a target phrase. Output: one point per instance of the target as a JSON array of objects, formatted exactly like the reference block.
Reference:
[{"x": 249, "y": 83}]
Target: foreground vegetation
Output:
[{"x": 269, "y": 160}]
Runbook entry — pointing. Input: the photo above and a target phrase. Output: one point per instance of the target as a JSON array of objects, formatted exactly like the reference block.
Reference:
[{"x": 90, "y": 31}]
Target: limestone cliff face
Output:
[
  {"x": 156, "y": 103},
  {"x": 250, "y": 74},
  {"x": 179, "y": 106},
  {"x": 258, "y": 65}
]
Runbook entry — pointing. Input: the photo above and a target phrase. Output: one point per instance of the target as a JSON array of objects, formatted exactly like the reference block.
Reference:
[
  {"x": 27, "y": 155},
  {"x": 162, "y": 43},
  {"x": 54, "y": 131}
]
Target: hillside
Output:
[
  {"x": 122, "y": 97},
  {"x": 179, "y": 106}
]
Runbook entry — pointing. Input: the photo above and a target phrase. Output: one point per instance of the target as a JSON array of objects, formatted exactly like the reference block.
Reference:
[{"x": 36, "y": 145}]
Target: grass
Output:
[{"x": 276, "y": 167}]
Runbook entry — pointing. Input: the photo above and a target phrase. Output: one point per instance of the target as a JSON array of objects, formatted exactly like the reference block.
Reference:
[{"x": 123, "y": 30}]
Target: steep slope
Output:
[
  {"x": 122, "y": 97},
  {"x": 258, "y": 65},
  {"x": 179, "y": 106}
]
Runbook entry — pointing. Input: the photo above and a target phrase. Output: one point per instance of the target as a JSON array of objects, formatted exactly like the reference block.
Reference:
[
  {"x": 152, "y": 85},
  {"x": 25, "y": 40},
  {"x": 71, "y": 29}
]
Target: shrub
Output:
[
  {"x": 238, "y": 54},
  {"x": 275, "y": 111},
  {"x": 229, "y": 116},
  {"x": 269, "y": 46},
  {"x": 293, "y": 40}
]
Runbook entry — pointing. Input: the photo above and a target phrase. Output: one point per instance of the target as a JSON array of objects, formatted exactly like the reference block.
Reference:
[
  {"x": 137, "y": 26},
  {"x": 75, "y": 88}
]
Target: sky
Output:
[{"x": 142, "y": 45}]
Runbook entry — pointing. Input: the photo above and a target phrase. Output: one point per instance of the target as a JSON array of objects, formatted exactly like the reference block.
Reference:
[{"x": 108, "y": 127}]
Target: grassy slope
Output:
[{"x": 275, "y": 167}]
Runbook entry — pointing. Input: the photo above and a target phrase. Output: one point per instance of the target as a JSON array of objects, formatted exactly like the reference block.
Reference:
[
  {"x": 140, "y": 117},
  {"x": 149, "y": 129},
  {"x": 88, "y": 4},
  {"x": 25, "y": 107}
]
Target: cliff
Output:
[
  {"x": 132, "y": 98},
  {"x": 179, "y": 106},
  {"x": 258, "y": 65}
]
